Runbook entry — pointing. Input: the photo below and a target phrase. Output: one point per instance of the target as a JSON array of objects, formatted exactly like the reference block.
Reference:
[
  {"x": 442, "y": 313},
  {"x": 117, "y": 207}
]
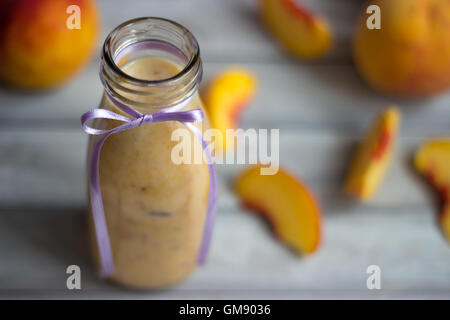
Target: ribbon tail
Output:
[
  {"x": 212, "y": 196},
  {"x": 98, "y": 214}
]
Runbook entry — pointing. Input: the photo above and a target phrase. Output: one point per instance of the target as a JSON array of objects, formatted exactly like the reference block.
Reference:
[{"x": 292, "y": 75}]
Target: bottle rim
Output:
[{"x": 109, "y": 56}]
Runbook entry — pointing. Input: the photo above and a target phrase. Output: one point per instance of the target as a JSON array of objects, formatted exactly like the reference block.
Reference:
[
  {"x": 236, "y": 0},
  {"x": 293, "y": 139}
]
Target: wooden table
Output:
[{"x": 321, "y": 109}]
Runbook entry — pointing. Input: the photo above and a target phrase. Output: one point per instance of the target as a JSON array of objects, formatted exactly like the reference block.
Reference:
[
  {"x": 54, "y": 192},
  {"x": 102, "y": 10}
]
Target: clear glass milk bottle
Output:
[{"x": 154, "y": 209}]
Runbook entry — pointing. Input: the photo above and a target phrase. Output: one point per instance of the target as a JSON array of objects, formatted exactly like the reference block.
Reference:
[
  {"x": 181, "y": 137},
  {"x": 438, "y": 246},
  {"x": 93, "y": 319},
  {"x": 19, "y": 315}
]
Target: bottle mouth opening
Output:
[{"x": 151, "y": 36}]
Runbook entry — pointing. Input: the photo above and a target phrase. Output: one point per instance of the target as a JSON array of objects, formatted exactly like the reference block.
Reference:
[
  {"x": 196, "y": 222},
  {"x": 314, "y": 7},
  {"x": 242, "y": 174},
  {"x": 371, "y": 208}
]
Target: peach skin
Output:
[
  {"x": 225, "y": 98},
  {"x": 410, "y": 55},
  {"x": 373, "y": 156},
  {"x": 301, "y": 33},
  {"x": 286, "y": 203},
  {"x": 433, "y": 161},
  {"x": 37, "y": 49}
]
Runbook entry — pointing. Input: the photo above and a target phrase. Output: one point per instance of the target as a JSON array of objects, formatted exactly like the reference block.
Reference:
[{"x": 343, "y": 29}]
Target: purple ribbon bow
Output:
[{"x": 138, "y": 119}]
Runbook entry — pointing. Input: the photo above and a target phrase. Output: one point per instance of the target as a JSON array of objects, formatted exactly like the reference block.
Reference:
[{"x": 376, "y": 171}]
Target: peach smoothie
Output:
[{"x": 155, "y": 209}]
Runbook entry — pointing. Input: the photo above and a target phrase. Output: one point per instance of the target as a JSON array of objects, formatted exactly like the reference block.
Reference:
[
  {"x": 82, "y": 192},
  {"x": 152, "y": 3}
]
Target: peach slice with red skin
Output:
[
  {"x": 433, "y": 161},
  {"x": 302, "y": 33},
  {"x": 373, "y": 156},
  {"x": 225, "y": 98},
  {"x": 286, "y": 203}
]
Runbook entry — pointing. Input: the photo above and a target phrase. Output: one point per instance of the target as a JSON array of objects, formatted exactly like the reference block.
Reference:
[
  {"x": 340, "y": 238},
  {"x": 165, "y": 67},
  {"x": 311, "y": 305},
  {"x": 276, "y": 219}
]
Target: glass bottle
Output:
[{"x": 154, "y": 208}]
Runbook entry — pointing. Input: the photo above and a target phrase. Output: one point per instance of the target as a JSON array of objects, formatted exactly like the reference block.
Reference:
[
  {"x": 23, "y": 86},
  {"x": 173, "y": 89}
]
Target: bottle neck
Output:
[{"x": 157, "y": 38}]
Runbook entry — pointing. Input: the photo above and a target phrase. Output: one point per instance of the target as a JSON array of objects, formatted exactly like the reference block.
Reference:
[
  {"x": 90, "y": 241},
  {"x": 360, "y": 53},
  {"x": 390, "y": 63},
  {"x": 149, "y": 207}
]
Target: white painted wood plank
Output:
[
  {"x": 245, "y": 261},
  {"x": 320, "y": 108},
  {"x": 231, "y": 30},
  {"x": 290, "y": 95},
  {"x": 45, "y": 168}
]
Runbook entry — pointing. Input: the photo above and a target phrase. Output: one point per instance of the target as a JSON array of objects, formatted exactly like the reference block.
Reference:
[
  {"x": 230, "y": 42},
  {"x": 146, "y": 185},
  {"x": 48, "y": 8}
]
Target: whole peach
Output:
[
  {"x": 410, "y": 55},
  {"x": 40, "y": 44}
]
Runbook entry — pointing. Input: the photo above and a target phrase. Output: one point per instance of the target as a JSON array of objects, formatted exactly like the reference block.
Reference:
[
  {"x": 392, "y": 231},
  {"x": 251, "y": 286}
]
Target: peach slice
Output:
[
  {"x": 433, "y": 161},
  {"x": 286, "y": 203},
  {"x": 300, "y": 32},
  {"x": 373, "y": 156},
  {"x": 225, "y": 98}
]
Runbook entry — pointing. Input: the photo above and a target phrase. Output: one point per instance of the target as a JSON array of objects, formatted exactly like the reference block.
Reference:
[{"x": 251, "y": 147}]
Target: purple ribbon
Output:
[{"x": 137, "y": 119}]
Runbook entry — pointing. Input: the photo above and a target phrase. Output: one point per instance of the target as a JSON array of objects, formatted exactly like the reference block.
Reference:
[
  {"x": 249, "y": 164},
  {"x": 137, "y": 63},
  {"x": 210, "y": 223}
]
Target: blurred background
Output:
[{"x": 318, "y": 99}]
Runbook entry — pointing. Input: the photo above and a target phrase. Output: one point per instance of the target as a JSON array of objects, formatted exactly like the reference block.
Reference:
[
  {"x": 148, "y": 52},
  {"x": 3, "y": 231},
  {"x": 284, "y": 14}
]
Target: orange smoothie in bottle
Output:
[{"x": 155, "y": 209}]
